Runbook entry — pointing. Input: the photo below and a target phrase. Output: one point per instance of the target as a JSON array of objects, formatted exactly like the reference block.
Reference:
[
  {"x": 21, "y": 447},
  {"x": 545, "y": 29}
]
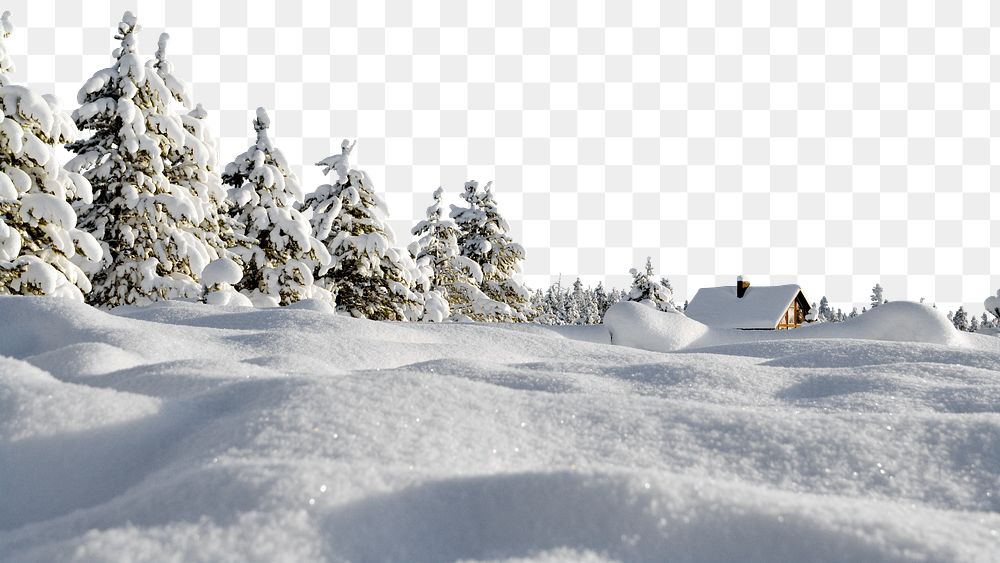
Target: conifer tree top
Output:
[
  {"x": 161, "y": 48},
  {"x": 261, "y": 124},
  {"x": 340, "y": 163},
  {"x": 6, "y": 28},
  {"x": 126, "y": 33}
]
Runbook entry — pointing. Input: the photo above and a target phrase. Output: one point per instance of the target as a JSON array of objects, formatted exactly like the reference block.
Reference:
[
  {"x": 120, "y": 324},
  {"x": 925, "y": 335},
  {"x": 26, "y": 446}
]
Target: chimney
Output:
[{"x": 741, "y": 287}]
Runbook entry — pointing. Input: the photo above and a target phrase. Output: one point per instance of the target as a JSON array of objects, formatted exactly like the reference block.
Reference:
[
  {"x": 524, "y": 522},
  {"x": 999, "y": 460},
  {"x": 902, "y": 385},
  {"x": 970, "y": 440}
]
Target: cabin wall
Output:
[{"x": 793, "y": 317}]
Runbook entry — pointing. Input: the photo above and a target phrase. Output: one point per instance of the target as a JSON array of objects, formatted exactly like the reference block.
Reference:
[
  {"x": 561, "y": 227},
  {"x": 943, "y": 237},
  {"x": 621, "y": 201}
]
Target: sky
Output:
[{"x": 833, "y": 145}]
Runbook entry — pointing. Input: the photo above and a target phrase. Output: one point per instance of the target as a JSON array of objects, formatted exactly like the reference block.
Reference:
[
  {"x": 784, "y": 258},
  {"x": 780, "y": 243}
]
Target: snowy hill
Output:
[{"x": 197, "y": 433}]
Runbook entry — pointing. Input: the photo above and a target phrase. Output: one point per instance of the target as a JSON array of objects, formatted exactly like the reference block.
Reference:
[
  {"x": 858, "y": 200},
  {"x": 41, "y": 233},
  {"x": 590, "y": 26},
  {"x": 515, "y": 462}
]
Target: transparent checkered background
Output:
[{"x": 831, "y": 144}]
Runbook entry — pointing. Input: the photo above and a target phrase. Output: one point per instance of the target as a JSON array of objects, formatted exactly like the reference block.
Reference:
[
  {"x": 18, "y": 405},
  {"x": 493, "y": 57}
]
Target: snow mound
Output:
[
  {"x": 900, "y": 321},
  {"x": 227, "y": 434},
  {"x": 35, "y": 404},
  {"x": 85, "y": 359},
  {"x": 616, "y": 517},
  {"x": 222, "y": 270},
  {"x": 641, "y": 326}
]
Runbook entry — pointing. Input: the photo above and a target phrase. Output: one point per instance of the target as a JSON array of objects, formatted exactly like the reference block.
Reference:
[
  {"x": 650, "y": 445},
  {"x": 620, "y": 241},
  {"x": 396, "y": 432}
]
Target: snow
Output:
[
  {"x": 182, "y": 431},
  {"x": 642, "y": 325},
  {"x": 760, "y": 306},
  {"x": 992, "y": 304},
  {"x": 222, "y": 270}
]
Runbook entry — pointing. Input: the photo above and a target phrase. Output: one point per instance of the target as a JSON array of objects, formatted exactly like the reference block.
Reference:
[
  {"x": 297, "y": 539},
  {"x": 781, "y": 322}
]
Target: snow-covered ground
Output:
[{"x": 189, "y": 432}]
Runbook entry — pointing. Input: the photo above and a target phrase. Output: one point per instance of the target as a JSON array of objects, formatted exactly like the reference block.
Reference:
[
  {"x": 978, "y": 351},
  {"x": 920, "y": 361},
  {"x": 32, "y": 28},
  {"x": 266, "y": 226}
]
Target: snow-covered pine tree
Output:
[
  {"x": 876, "y": 297},
  {"x": 961, "y": 319},
  {"x": 370, "y": 277},
  {"x": 973, "y": 323},
  {"x": 556, "y": 298},
  {"x": 542, "y": 315},
  {"x": 601, "y": 298},
  {"x": 985, "y": 322},
  {"x": 484, "y": 239},
  {"x": 38, "y": 235},
  {"x": 575, "y": 304},
  {"x": 279, "y": 264},
  {"x": 589, "y": 313},
  {"x": 454, "y": 276},
  {"x": 853, "y": 313},
  {"x": 825, "y": 312},
  {"x": 194, "y": 165},
  {"x": 645, "y": 287},
  {"x": 144, "y": 222}
]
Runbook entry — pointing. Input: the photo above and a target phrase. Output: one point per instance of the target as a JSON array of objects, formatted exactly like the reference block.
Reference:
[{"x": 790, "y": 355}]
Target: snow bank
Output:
[
  {"x": 641, "y": 326},
  {"x": 632, "y": 324},
  {"x": 899, "y": 321},
  {"x": 222, "y": 433}
]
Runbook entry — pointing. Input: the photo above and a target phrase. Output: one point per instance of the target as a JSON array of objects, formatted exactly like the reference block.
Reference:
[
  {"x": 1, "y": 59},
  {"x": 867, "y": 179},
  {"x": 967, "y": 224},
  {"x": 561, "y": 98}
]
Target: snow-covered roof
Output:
[{"x": 760, "y": 307}]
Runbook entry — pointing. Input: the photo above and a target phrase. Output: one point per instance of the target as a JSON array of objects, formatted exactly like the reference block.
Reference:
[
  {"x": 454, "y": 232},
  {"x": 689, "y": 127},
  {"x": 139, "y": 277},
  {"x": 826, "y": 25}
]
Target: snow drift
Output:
[
  {"x": 190, "y": 432},
  {"x": 632, "y": 324}
]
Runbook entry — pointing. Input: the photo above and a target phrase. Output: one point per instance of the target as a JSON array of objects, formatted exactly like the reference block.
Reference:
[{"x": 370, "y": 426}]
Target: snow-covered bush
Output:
[
  {"x": 220, "y": 278},
  {"x": 369, "y": 275},
  {"x": 646, "y": 288},
  {"x": 484, "y": 239},
  {"x": 39, "y": 238},
  {"x": 148, "y": 226},
  {"x": 281, "y": 255}
]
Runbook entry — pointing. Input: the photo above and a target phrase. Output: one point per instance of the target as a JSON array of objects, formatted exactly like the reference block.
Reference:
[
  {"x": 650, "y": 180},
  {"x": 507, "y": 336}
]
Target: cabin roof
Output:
[{"x": 760, "y": 307}]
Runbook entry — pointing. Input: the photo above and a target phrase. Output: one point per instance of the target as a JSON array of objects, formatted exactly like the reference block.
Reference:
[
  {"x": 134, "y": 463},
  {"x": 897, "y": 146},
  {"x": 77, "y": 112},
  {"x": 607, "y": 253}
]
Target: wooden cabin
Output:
[{"x": 741, "y": 306}]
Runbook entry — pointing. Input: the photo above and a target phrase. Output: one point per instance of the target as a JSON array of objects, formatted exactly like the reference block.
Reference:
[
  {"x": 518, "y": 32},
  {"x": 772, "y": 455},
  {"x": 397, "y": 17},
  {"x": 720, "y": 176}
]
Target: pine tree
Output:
[
  {"x": 279, "y": 262},
  {"x": 601, "y": 299},
  {"x": 194, "y": 165},
  {"x": 589, "y": 313},
  {"x": 876, "y": 297},
  {"x": 145, "y": 223},
  {"x": 38, "y": 235},
  {"x": 853, "y": 313},
  {"x": 456, "y": 277},
  {"x": 484, "y": 239},
  {"x": 985, "y": 322},
  {"x": 644, "y": 288},
  {"x": 825, "y": 312},
  {"x": 370, "y": 277},
  {"x": 575, "y": 304},
  {"x": 973, "y": 324},
  {"x": 961, "y": 319}
]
